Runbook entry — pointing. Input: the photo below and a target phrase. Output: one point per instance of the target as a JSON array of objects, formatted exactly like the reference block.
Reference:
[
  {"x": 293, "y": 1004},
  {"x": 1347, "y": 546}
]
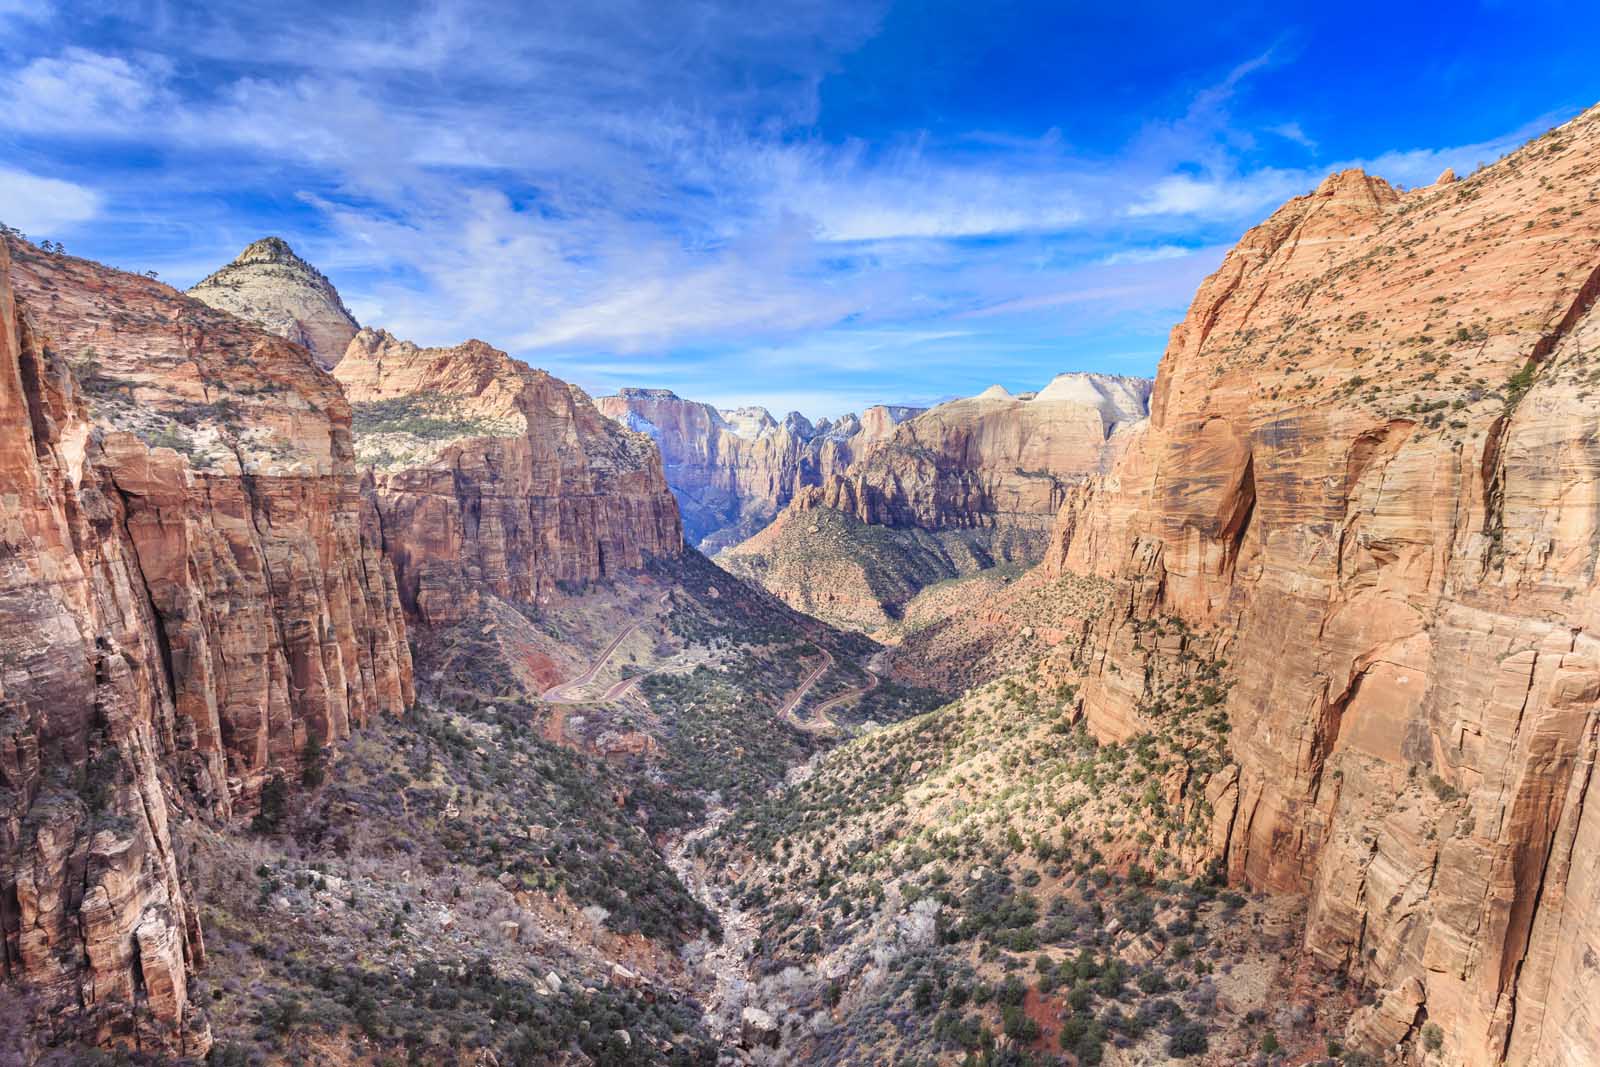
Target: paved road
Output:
[
  {"x": 828, "y": 705},
  {"x": 787, "y": 711},
  {"x": 557, "y": 694}
]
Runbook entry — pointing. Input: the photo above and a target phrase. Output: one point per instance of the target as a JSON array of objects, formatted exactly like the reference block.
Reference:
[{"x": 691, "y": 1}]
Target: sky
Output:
[{"x": 808, "y": 205}]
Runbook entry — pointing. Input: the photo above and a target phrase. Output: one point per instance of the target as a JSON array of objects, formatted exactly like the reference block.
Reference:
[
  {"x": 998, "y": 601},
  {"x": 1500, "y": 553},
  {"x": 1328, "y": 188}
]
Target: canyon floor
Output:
[{"x": 733, "y": 834}]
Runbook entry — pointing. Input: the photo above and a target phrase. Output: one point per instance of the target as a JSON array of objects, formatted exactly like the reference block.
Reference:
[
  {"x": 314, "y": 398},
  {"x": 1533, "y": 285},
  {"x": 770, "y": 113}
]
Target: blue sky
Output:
[{"x": 809, "y": 205}]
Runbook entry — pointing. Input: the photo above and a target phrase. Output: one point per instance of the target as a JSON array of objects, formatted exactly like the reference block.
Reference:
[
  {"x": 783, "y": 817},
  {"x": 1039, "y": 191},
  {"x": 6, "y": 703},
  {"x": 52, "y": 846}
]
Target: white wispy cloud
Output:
[
  {"x": 596, "y": 184},
  {"x": 80, "y": 93},
  {"x": 40, "y": 205}
]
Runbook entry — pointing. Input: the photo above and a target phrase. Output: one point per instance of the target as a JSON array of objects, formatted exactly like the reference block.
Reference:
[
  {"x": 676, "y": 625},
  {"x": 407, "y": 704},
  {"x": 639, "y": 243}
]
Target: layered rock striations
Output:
[
  {"x": 732, "y": 470},
  {"x": 990, "y": 460},
  {"x": 191, "y": 589},
  {"x": 492, "y": 477},
  {"x": 1371, "y": 482},
  {"x": 963, "y": 487},
  {"x": 269, "y": 285}
]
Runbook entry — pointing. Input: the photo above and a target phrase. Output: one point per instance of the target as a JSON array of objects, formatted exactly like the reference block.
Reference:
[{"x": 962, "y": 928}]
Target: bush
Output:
[
  {"x": 313, "y": 760},
  {"x": 1187, "y": 1039},
  {"x": 1018, "y": 1025}
]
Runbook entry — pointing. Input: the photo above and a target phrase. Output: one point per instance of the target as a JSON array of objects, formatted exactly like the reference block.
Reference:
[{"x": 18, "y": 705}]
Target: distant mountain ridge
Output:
[
  {"x": 733, "y": 469},
  {"x": 961, "y": 487}
]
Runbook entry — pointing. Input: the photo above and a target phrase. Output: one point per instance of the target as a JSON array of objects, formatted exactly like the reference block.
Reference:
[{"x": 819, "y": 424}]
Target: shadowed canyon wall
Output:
[{"x": 733, "y": 470}]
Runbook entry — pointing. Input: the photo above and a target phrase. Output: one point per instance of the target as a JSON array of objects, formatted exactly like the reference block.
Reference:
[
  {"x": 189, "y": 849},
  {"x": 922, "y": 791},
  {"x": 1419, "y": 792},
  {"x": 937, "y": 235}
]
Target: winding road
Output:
[
  {"x": 557, "y": 694},
  {"x": 819, "y": 720},
  {"x": 822, "y": 709},
  {"x": 787, "y": 710}
]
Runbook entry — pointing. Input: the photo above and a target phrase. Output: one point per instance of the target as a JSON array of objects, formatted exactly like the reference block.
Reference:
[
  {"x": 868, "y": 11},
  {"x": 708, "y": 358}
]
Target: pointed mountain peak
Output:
[
  {"x": 270, "y": 285},
  {"x": 268, "y": 250}
]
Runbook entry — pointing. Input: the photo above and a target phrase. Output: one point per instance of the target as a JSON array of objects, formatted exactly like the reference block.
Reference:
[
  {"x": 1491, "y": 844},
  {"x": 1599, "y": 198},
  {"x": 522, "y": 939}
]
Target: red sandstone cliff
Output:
[
  {"x": 190, "y": 586},
  {"x": 492, "y": 476},
  {"x": 1370, "y": 478}
]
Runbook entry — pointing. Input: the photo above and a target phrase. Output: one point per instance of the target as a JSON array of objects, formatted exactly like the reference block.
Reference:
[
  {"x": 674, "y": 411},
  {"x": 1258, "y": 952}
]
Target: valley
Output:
[{"x": 404, "y": 704}]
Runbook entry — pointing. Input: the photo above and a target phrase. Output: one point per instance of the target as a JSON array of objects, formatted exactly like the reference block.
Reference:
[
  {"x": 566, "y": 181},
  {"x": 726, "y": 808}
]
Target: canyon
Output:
[
  {"x": 394, "y": 709},
  {"x": 732, "y": 470},
  {"x": 967, "y": 486}
]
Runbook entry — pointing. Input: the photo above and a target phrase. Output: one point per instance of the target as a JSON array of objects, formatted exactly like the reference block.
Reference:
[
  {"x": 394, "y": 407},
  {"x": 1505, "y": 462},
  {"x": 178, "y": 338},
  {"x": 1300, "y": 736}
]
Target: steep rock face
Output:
[
  {"x": 271, "y": 286},
  {"x": 733, "y": 470},
  {"x": 990, "y": 460},
  {"x": 1370, "y": 481},
  {"x": 190, "y": 586},
  {"x": 495, "y": 477}
]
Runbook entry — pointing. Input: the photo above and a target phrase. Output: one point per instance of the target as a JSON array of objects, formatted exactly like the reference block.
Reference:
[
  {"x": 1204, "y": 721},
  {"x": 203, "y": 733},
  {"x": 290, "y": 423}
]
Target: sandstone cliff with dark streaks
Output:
[
  {"x": 733, "y": 470},
  {"x": 493, "y": 477},
  {"x": 1371, "y": 482},
  {"x": 191, "y": 586}
]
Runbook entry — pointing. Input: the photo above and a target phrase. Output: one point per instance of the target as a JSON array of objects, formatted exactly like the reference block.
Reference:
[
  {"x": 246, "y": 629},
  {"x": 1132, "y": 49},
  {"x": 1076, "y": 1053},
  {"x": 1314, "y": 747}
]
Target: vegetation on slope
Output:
[
  {"x": 860, "y": 575},
  {"x": 988, "y": 881}
]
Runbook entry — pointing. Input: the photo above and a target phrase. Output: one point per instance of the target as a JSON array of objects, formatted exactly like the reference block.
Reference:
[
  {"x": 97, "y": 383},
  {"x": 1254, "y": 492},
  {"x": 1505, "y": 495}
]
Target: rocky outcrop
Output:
[
  {"x": 492, "y": 477},
  {"x": 732, "y": 470},
  {"x": 191, "y": 587},
  {"x": 271, "y": 286},
  {"x": 1369, "y": 481}
]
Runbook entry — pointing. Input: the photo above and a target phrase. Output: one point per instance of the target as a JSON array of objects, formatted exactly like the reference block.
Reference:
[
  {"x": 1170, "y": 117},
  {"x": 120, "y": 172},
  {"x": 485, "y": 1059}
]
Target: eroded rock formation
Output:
[
  {"x": 191, "y": 587},
  {"x": 1371, "y": 481},
  {"x": 495, "y": 477},
  {"x": 959, "y": 488},
  {"x": 733, "y": 470},
  {"x": 271, "y": 286},
  {"x": 991, "y": 460}
]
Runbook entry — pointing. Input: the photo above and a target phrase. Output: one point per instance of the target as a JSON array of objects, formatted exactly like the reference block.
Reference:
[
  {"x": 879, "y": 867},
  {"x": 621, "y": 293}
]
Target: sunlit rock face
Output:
[
  {"x": 493, "y": 477},
  {"x": 963, "y": 487},
  {"x": 191, "y": 587},
  {"x": 994, "y": 459},
  {"x": 1371, "y": 478},
  {"x": 271, "y": 286}
]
